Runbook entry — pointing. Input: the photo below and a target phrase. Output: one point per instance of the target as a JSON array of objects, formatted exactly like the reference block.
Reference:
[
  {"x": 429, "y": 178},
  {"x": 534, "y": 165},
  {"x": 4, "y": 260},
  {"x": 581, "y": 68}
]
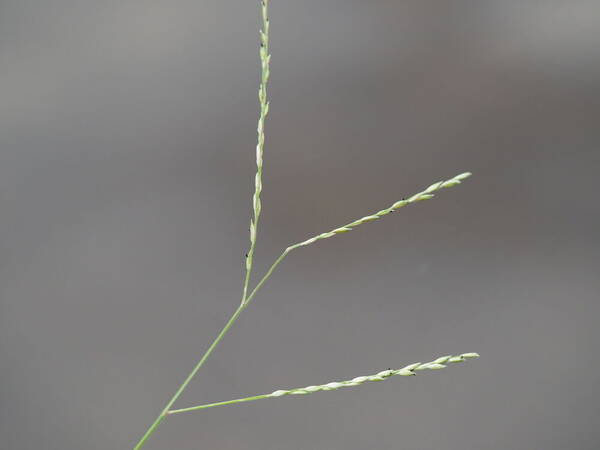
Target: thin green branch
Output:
[
  {"x": 266, "y": 276},
  {"x": 189, "y": 378},
  {"x": 264, "y": 110},
  {"x": 409, "y": 370},
  {"x": 420, "y": 196}
]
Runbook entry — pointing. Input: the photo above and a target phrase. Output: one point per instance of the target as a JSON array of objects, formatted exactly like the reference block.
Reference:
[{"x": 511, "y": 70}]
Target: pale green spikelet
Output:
[
  {"x": 424, "y": 195},
  {"x": 407, "y": 371},
  {"x": 383, "y": 375}
]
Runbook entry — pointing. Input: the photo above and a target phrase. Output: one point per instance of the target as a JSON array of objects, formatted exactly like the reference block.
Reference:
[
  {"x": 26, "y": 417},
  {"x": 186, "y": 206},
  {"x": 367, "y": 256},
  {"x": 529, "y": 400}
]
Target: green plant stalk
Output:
[
  {"x": 265, "y": 59},
  {"x": 184, "y": 385},
  {"x": 409, "y": 370},
  {"x": 211, "y": 405}
]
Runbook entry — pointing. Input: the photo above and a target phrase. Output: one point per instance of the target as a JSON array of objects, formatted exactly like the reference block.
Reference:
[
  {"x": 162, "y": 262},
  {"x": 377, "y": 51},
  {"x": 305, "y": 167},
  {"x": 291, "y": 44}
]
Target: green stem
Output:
[
  {"x": 200, "y": 363},
  {"x": 267, "y": 275},
  {"x": 264, "y": 110},
  {"x": 167, "y": 410},
  {"x": 210, "y": 405}
]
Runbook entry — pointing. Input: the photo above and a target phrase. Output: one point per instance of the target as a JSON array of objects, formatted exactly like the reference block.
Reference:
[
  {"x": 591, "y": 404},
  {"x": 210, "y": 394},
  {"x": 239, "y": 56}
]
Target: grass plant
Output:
[{"x": 248, "y": 294}]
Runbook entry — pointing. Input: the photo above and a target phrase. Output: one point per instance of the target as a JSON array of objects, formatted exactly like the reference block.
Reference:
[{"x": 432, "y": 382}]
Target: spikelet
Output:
[
  {"x": 424, "y": 195},
  {"x": 409, "y": 370}
]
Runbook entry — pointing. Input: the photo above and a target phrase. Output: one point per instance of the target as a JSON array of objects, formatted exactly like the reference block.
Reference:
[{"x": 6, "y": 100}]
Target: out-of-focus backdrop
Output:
[{"x": 127, "y": 133}]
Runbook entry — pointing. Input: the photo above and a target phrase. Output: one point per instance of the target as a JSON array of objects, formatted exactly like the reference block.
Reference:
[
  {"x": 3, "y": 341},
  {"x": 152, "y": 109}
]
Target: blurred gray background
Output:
[{"x": 127, "y": 132}]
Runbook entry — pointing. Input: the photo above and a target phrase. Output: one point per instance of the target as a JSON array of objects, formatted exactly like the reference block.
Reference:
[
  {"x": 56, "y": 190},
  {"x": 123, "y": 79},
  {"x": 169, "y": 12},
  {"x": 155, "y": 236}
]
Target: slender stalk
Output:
[
  {"x": 265, "y": 58},
  {"x": 267, "y": 275},
  {"x": 211, "y": 405},
  {"x": 177, "y": 394}
]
